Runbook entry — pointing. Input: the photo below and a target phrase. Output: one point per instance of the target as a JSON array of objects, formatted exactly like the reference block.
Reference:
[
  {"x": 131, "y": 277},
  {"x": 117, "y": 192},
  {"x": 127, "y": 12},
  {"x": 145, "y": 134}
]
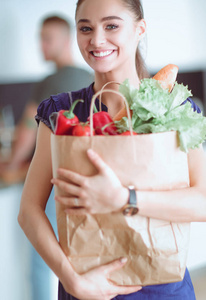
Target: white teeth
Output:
[{"x": 102, "y": 54}]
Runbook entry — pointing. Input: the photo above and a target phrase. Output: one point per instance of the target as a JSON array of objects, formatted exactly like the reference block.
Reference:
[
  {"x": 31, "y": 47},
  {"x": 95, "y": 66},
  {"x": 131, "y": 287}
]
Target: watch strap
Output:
[
  {"x": 131, "y": 207},
  {"x": 132, "y": 197}
]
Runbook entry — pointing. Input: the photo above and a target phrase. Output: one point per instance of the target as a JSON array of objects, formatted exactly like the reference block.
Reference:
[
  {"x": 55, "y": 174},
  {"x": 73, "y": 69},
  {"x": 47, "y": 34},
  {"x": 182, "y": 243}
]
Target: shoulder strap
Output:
[{"x": 70, "y": 97}]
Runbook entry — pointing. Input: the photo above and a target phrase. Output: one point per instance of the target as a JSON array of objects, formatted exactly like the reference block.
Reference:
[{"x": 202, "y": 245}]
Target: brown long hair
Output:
[{"x": 136, "y": 8}]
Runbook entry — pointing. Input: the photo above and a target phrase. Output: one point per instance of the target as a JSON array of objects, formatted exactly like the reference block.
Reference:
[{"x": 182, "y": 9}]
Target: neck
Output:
[
  {"x": 103, "y": 78},
  {"x": 65, "y": 59},
  {"x": 126, "y": 71}
]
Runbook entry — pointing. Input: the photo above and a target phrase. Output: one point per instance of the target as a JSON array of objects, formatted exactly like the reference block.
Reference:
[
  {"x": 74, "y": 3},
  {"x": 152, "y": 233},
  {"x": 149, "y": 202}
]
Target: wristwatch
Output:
[{"x": 131, "y": 208}]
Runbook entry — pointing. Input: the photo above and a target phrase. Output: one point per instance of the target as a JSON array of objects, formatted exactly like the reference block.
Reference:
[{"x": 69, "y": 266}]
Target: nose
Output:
[{"x": 98, "y": 38}]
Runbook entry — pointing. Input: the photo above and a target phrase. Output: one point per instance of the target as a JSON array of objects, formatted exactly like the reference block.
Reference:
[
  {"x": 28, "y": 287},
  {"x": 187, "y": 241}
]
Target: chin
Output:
[
  {"x": 48, "y": 57},
  {"x": 99, "y": 66},
  {"x": 102, "y": 69}
]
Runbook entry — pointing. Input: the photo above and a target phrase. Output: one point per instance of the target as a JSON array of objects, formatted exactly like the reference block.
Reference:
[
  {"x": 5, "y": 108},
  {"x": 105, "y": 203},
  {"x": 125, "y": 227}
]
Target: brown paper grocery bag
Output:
[{"x": 156, "y": 249}]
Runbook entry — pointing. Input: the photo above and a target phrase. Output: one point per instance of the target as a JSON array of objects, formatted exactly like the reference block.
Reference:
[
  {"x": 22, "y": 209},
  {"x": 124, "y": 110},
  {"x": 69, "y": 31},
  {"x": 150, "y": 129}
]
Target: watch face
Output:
[{"x": 130, "y": 211}]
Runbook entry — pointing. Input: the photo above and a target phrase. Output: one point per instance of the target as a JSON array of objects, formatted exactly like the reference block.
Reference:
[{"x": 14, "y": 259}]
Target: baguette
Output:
[{"x": 166, "y": 76}]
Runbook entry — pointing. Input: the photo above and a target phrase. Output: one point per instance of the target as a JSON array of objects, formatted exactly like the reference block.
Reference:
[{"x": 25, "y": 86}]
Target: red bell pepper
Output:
[
  {"x": 65, "y": 120},
  {"x": 103, "y": 124}
]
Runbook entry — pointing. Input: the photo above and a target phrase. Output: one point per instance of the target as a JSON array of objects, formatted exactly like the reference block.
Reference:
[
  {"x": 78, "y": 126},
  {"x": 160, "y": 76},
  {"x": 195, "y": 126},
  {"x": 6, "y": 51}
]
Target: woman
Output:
[{"x": 108, "y": 33}]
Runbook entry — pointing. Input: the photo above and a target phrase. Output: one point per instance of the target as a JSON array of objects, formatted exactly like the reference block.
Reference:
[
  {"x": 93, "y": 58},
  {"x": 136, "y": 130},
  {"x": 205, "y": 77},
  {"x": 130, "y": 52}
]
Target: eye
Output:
[
  {"x": 85, "y": 29},
  {"x": 111, "y": 26}
]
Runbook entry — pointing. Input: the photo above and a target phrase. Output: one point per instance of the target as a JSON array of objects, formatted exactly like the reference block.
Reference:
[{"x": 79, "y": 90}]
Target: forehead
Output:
[
  {"x": 100, "y": 9},
  {"x": 52, "y": 29}
]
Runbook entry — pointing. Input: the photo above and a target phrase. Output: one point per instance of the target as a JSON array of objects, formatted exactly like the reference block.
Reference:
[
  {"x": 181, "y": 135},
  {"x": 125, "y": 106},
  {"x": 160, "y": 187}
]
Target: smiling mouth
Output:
[{"x": 101, "y": 53}]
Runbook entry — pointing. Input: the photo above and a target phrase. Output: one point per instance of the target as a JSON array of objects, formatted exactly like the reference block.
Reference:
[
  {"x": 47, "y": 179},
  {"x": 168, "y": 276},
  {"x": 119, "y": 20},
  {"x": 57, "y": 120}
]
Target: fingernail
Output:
[
  {"x": 123, "y": 260},
  {"x": 90, "y": 152}
]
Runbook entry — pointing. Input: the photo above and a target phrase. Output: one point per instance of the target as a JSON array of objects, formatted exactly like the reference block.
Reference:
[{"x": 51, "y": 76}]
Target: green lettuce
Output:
[{"x": 157, "y": 110}]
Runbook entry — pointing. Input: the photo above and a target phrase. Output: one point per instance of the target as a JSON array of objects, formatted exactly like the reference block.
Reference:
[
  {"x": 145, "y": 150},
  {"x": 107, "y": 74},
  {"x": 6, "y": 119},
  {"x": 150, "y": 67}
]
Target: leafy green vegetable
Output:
[{"x": 157, "y": 110}]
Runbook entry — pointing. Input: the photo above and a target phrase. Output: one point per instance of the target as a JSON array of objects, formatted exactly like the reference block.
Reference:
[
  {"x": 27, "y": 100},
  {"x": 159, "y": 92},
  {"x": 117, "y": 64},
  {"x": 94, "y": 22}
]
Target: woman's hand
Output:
[
  {"x": 94, "y": 285},
  {"x": 101, "y": 193}
]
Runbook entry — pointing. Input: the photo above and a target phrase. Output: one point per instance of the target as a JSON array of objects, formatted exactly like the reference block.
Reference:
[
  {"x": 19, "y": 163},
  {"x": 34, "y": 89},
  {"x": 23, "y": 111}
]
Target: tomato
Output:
[
  {"x": 128, "y": 133},
  {"x": 81, "y": 130}
]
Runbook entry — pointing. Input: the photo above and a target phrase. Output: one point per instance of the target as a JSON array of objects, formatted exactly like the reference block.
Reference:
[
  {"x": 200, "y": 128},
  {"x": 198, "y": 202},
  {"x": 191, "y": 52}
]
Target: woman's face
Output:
[{"x": 107, "y": 34}]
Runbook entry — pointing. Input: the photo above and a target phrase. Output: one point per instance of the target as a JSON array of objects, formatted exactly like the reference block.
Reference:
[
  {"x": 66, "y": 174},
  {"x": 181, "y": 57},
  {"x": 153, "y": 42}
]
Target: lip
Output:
[{"x": 101, "y": 54}]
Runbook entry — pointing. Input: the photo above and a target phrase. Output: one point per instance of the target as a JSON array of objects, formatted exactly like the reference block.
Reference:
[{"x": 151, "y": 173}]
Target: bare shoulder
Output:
[
  {"x": 43, "y": 134},
  {"x": 38, "y": 181},
  {"x": 42, "y": 154}
]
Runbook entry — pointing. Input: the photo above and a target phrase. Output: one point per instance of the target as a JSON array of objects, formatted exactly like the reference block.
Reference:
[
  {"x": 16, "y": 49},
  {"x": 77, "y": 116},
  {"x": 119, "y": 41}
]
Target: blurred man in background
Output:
[{"x": 56, "y": 45}]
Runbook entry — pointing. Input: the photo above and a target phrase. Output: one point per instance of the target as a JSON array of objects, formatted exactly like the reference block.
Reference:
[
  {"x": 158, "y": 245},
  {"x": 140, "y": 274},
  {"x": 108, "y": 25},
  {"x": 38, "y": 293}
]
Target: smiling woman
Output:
[{"x": 108, "y": 34}]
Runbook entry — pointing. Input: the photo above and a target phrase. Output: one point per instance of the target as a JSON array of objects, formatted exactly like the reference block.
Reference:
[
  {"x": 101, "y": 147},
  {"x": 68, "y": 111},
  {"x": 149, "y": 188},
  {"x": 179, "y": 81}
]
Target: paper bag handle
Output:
[
  {"x": 100, "y": 98},
  {"x": 117, "y": 93}
]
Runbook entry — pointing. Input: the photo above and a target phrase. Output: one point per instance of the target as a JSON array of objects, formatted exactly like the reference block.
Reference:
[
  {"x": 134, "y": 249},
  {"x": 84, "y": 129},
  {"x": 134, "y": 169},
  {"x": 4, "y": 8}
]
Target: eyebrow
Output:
[{"x": 102, "y": 20}]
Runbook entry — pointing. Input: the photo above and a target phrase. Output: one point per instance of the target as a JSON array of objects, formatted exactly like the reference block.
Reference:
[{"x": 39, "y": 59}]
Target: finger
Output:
[
  {"x": 125, "y": 290},
  {"x": 114, "y": 265},
  {"x": 70, "y": 202},
  {"x": 97, "y": 161},
  {"x": 66, "y": 187},
  {"x": 76, "y": 211},
  {"x": 71, "y": 176},
  {"x": 112, "y": 296}
]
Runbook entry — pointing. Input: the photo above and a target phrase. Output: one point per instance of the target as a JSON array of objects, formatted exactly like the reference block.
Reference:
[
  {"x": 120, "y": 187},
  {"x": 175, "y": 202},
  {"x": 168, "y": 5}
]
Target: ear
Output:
[{"x": 141, "y": 29}]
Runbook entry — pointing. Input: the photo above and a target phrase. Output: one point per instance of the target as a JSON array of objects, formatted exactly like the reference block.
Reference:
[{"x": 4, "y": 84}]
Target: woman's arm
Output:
[
  {"x": 32, "y": 217},
  {"x": 33, "y": 220},
  {"x": 182, "y": 205}
]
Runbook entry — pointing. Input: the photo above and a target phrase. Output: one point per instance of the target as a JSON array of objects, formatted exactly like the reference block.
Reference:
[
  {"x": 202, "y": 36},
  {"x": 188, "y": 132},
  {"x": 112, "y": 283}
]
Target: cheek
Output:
[
  {"x": 81, "y": 43},
  {"x": 124, "y": 42},
  {"x": 78, "y": 39},
  {"x": 125, "y": 38}
]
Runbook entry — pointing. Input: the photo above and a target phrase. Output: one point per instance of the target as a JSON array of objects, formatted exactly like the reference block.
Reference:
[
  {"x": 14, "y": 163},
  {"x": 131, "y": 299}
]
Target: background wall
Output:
[{"x": 175, "y": 34}]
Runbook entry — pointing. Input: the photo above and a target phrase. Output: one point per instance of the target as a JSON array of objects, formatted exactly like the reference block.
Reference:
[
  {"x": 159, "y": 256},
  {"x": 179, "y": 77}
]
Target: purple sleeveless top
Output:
[
  {"x": 64, "y": 101},
  {"x": 172, "y": 291}
]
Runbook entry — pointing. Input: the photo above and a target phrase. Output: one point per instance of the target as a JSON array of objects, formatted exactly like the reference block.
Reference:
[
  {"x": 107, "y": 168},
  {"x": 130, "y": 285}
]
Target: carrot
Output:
[
  {"x": 122, "y": 113},
  {"x": 166, "y": 76}
]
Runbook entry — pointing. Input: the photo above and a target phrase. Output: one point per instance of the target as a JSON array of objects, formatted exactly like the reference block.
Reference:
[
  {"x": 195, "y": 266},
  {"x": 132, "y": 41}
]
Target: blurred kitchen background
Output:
[{"x": 175, "y": 34}]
